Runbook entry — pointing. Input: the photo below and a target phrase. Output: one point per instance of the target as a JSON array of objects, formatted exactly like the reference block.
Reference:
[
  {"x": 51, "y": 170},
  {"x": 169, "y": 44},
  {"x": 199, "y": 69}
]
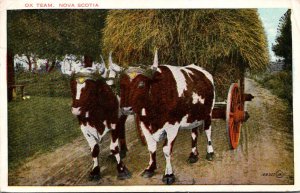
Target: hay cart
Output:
[{"x": 232, "y": 110}]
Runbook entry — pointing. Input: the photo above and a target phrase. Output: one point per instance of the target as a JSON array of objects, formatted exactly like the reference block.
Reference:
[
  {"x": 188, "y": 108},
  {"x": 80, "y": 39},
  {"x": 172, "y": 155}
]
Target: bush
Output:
[{"x": 281, "y": 84}]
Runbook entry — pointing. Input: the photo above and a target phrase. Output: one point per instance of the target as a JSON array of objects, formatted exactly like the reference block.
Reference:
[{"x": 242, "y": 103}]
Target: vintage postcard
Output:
[{"x": 149, "y": 96}]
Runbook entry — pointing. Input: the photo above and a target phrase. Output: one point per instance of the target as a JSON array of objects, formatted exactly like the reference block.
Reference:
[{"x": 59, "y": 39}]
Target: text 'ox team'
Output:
[{"x": 163, "y": 98}]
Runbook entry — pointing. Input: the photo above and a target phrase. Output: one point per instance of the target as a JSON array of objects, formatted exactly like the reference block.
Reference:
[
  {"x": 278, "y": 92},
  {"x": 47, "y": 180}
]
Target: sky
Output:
[{"x": 270, "y": 18}]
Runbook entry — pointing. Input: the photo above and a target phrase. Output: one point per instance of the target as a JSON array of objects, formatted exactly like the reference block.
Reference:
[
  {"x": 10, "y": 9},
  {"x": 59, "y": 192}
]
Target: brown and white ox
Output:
[
  {"x": 97, "y": 109},
  {"x": 166, "y": 99}
]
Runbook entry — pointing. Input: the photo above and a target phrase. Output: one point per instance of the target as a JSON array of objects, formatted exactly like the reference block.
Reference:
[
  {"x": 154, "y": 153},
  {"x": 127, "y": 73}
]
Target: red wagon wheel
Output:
[{"x": 234, "y": 115}]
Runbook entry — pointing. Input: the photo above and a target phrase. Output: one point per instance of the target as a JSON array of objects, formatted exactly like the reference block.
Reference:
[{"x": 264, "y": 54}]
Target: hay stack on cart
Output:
[{"x": 221, "y": 41}]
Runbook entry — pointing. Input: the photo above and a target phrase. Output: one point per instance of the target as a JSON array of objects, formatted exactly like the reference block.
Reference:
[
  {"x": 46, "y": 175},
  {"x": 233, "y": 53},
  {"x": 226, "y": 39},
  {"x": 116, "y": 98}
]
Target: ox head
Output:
[
  {"x": 135, "y": 86},
  {"x": 83, "y": 84}
]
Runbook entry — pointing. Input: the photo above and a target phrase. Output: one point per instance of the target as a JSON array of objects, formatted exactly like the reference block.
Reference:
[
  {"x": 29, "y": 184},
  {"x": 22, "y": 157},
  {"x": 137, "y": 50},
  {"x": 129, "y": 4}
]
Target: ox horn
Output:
[
  {"x": 112, "y": 66},
  {"x": 100, "y": 68},
  {"x": 110, "y": 62},
  {"x": 113, "y": 69},
  {"x": 150, "y": 71},
  {"x": 155, "y": 62},
  {"x": 103, "y": 67},
  {"x": 102, "y": 61}
]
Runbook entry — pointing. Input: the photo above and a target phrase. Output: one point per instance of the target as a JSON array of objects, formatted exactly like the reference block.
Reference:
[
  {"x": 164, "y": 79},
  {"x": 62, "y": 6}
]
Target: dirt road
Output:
[{"x": 264, "y": 156}]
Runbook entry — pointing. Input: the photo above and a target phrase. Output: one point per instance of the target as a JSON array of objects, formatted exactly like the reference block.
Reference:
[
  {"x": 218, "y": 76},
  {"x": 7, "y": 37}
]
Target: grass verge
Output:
[
  {"x": 279, "y": 83},
  {"x": 43, "y": 122}
]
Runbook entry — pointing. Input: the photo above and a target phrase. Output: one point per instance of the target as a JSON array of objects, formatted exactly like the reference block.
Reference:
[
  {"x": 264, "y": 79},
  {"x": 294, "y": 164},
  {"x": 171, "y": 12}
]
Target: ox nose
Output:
[
  {"x": 127, "y": 110},
  {"x": 76, "y": 111},
  {"x": 109, "y": 82}
]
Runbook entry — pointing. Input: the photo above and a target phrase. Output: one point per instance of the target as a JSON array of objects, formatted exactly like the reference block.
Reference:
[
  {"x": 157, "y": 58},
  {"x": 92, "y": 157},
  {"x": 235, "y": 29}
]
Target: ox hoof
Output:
[
  {"x": 210, "y": 156},
  {"x": 168, "y": 179},
  {"x": 95, "y": 174},
  {"x": 125, "y": 174},
  {"x": 193, "y": 158},
  {"x": 148, "y": 173}
]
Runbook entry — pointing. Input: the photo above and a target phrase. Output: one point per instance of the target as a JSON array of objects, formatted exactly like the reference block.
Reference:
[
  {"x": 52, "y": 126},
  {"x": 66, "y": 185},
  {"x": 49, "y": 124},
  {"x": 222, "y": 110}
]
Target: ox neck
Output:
[{"x": 149, "y": 111}]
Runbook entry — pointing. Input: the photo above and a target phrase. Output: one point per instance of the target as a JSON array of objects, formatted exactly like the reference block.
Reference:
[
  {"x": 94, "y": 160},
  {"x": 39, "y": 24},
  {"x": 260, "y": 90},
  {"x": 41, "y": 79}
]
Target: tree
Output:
[
  {"x": 51, "y": 34},
  {"x": 283, "y": 42}
]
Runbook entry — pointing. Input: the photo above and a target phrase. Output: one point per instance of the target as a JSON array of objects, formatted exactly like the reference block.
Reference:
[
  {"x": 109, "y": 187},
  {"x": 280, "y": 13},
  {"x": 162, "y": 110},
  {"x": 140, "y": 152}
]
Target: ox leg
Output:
[
  {"x": 193, "y": 158},
  {"x": 123, "y": 172},
  {"x": 91, "y": 137},
  {"x": 169, "y": 177},
  {"x": 209, "y": 149},
  {"x": 152, "y": 146},
  {"x": 122, "y": 138}
]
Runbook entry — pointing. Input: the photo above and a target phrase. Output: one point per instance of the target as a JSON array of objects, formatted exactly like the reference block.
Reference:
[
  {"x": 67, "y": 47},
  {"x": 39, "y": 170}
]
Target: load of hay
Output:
[{"x": 223, "y": 41}]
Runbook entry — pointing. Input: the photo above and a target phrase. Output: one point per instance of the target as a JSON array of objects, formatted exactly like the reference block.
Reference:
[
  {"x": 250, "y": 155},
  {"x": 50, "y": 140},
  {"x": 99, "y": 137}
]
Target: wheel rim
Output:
[{"x": 233, "y": 105}]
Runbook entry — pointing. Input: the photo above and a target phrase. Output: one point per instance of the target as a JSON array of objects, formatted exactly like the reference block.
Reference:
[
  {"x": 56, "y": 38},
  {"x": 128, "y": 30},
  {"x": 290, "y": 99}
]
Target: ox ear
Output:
[{"x": 149, "y": 72}]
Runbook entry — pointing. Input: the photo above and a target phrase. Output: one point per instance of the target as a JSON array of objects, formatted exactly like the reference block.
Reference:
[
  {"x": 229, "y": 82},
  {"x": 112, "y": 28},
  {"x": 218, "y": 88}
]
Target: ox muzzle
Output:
[
  {"x": 127, "y": 110},
  {"x": 76, "y": 111}
]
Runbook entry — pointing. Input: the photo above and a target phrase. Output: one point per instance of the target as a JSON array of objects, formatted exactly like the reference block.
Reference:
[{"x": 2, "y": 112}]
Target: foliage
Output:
[
  {"x": 283, "y": 42},
  {"x": 53, "y": 33},
  {"x": 281, "y": 83},
  {"x": 221, "y": 41}
]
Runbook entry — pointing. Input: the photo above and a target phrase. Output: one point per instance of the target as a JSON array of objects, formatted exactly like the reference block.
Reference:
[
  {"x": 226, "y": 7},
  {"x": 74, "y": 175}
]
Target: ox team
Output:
[{"x": 165, "y": 99}]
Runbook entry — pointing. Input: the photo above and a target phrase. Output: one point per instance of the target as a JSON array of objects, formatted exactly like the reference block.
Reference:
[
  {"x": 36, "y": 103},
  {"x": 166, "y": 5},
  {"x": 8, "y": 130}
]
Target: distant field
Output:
[
  {"x": 43, "y": 122},
  {"x": 52, "y": 84}
]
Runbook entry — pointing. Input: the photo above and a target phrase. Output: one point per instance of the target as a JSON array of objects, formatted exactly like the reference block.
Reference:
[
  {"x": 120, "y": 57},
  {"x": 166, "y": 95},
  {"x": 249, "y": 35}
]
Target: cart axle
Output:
[{"x": 240, "y": 116}]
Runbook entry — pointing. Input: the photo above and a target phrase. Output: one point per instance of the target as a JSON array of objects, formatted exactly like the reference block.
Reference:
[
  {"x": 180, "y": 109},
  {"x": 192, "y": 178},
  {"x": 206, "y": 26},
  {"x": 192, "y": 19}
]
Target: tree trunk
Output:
[
  {"x": 29, "y": 63},
  {"x": 88, "y": 61},
  {"x": 47, "y": 66},
  {"x": 35, "y": 66},
  {"x": 10, "y": 74},
  {"x": 52, "y": 66}
]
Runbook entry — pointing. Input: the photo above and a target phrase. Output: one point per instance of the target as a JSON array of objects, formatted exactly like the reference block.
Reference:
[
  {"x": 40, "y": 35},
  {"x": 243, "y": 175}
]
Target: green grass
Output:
[{"x": 43, "y": 122}]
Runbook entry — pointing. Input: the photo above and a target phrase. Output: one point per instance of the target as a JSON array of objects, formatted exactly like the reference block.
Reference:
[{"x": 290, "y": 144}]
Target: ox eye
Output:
[
  {"x": 141, "y": 84},
  {"x": 80, "y": 80}
]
